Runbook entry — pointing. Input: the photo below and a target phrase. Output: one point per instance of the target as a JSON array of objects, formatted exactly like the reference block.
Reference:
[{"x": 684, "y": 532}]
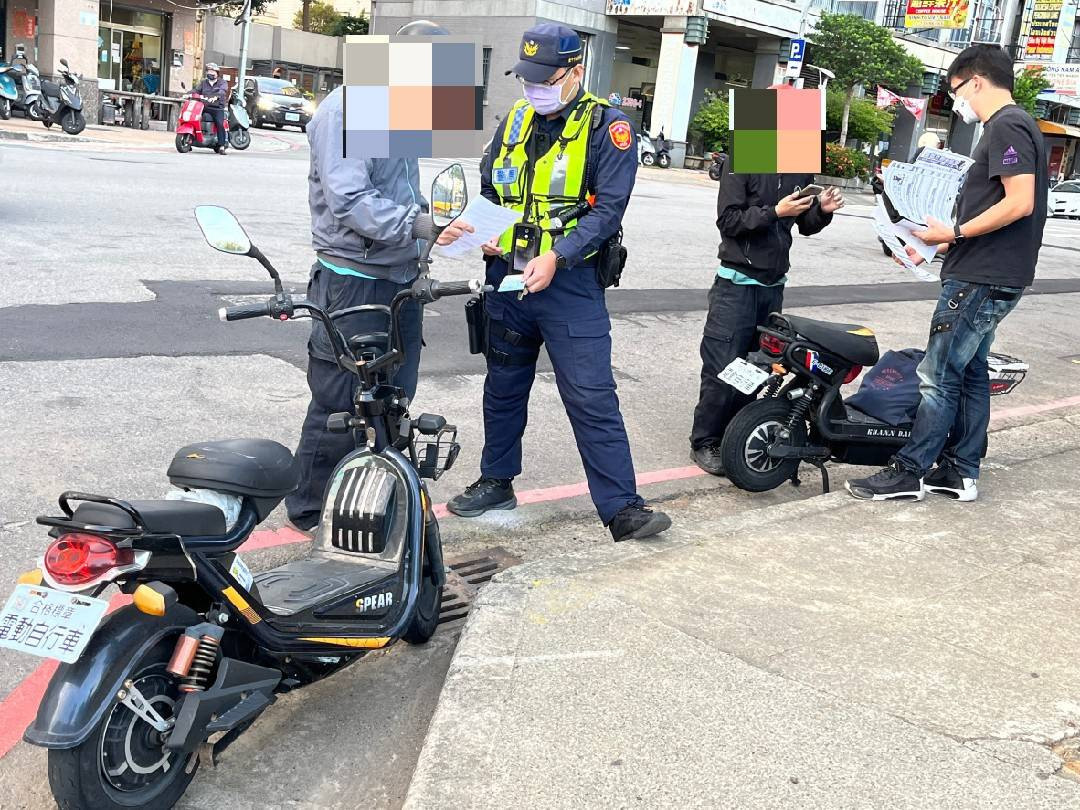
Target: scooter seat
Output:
[
  {"x": 50, "y": 89},
  {"x": 185, "y": 518},
  {"x": 851, "y": 341},
  {"x": 316, "y": 580}
]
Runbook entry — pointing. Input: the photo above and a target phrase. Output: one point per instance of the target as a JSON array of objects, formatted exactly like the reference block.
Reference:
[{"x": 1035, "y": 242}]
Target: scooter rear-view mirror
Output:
[
  {"x": 222, "y": 231},
  {"x": 449, "y": 195}
]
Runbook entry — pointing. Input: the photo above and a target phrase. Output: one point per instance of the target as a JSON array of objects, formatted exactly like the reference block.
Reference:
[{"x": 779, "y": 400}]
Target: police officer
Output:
[
  {"x": 368, "y": 220},
  {"x": 557, "y": 149}
]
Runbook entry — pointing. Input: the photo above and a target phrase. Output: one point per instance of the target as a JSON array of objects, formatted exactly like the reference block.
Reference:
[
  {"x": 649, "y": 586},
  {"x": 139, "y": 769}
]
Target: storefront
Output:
[
  {"x": 130, "y": 49},
  {"x": 1061, "y": 150}
]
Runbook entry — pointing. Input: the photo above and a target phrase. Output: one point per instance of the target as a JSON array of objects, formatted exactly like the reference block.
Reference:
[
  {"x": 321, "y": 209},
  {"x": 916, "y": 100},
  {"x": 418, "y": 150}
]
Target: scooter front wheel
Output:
[
  {"x": 73, "y": 122},
  {"x": 428, "y": 602},
  {"x": 183, "y": 143},
  {"x": 239, "y": 139},
  {"x": 5, "y": 109},
  {"x": 648, "y": 159},
  {"x": 715, "y": 172},
  {"x": 34, "y": 113},
  {"x": 123, "y": 763},
  {"x": 744, "y": 450}
]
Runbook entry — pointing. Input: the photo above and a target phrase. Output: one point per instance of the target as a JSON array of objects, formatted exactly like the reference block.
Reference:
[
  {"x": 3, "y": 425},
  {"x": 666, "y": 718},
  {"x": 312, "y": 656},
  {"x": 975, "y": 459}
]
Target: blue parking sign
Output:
[{"x": 798, "y": 50}]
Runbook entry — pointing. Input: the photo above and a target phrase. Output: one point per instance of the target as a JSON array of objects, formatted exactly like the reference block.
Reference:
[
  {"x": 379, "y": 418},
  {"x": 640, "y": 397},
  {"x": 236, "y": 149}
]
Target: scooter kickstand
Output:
[{"x": 825, "y": 489}]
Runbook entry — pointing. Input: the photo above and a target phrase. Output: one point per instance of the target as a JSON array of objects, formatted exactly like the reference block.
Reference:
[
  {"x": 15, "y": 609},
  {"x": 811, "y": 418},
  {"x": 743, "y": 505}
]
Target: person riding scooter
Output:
[{"x": 215, "y": 93}]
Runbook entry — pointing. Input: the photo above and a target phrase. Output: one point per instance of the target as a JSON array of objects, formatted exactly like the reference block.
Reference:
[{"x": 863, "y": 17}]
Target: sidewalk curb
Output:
[{"x": 14, "y": 135}]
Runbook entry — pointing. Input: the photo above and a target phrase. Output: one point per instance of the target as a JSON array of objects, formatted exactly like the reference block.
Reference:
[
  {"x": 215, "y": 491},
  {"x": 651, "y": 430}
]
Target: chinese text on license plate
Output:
[
  {"x": 52, "y": 624},
  {"x": 742, "y": 376},
  {"x": 292, "y": 116}
]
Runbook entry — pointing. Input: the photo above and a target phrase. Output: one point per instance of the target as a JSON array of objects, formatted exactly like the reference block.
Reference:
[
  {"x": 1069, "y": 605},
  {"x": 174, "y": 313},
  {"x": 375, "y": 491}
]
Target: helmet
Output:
[
  {"x": 212, "y": 66},
  {"x": 929, "y": 139},
  {"x": 421, "y": 28}
]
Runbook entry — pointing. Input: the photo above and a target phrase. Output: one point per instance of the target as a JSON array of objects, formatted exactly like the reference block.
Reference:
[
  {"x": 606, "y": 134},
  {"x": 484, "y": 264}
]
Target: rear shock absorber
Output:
[
  {"x": 195, "y": 657},
  {"x": 799, "y": 409}
]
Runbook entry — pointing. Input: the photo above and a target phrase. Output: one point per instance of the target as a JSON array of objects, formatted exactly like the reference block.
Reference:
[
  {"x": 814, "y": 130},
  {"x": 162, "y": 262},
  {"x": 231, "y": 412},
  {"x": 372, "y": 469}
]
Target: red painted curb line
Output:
[{"x": 20, "y": 705}]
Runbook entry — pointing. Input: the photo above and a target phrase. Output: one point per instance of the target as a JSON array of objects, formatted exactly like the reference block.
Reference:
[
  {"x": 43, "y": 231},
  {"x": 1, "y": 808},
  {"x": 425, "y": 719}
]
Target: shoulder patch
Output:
[{"x": 621, "y": 134}]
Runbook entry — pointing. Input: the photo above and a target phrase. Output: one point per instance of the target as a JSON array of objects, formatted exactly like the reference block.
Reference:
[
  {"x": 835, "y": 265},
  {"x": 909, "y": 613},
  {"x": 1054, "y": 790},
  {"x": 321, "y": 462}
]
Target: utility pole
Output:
[{"x": 244, "y": 21}]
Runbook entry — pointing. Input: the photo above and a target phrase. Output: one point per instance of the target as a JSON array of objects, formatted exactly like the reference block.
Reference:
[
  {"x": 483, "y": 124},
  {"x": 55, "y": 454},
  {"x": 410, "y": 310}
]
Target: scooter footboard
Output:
[{"x": 79, "y": 694}]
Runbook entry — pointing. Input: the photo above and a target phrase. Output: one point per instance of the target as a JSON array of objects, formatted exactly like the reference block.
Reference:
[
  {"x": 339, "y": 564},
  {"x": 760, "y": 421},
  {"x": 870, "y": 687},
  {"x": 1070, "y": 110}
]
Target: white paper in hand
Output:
[
  {"x": 890, "y": 234},
  {"x": 488, "y": 219}
]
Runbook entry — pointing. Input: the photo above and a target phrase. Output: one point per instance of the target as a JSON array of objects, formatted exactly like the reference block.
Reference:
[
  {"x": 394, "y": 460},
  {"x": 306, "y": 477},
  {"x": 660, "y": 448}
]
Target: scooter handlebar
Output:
[
  {"x": 245, "y": 311},
  {"x": 441, "y": 289}
]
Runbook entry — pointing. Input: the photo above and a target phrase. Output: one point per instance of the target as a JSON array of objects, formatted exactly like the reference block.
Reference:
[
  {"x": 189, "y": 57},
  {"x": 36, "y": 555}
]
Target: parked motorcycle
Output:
[
  {"x": 646, "y": 152},
  {"x": 801, "y": 414},
  {"x": 9, "y": 89},
  {"x": 29, "y": 101},
  {"x": 239, "y": 123},
  {"x": 206, "y": 646},
  {"x": 716, "y": 168},
  {"x": 194, "y": 129},
  {"x": 61, "y": 103}
]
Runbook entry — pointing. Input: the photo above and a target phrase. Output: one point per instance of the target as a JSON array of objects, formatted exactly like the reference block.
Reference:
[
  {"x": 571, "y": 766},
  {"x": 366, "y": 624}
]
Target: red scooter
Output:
[{"x": 193, "y": 129}]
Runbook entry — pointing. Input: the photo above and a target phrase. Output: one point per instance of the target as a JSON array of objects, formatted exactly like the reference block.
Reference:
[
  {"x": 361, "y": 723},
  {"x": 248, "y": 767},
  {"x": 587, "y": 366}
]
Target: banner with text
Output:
[
  {"x": 1042, "y": 29},
  {"x": 936, "y": 14}
]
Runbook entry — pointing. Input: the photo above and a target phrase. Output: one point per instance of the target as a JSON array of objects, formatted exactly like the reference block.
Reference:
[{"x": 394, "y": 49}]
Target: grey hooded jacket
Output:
[{"x": 362, "y": 209}]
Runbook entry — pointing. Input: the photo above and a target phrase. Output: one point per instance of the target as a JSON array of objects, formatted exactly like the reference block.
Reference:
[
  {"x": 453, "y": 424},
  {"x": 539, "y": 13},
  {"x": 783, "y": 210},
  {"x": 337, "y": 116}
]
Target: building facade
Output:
[{"x": 638, "y": 53}]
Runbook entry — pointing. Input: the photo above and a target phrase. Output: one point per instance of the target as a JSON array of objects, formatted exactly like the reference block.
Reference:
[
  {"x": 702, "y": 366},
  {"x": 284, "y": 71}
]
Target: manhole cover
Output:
[{"x": 465, "y": 576}]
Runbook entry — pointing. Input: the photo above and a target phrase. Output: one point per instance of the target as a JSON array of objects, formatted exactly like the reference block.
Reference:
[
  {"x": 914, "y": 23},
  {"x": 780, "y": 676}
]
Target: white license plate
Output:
[
  {"x": 742, "y": 376},
  {"x": 292, "y": 116},
  {"x": 49, "y": 623}
]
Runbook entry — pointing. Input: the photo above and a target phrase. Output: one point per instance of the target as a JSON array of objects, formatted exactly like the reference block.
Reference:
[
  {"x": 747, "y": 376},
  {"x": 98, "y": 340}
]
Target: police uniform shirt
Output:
[{"x": 611, "y": 172}]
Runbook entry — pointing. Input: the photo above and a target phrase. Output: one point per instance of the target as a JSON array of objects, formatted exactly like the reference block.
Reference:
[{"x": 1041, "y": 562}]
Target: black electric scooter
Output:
[
  {"x": 206, "y": 646},
  {"x": 801, "y": 414},
  {"x": 61, "y": 103}
]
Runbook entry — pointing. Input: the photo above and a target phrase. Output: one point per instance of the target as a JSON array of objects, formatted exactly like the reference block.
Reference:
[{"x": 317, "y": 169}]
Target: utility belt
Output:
[{"x": 481, "y": 328}]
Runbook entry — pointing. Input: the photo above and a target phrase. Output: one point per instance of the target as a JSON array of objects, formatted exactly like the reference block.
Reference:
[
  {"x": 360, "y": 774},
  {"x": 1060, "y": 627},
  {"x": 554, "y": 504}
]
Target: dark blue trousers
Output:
[
  {"x": 332, "y": 390},
  {"x": 570, "y": 318}
]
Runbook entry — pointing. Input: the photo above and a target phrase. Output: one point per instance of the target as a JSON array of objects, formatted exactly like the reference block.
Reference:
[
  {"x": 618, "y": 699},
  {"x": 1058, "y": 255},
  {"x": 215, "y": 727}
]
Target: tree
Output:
[
  {"x": 348, "y": 25},
  {"x": 858, "y": 52},
  {"x": 318, "y": 17},
  {"x": 710, "y": 122},
  {"x": 234, "y": 9},
  {"x": 866, "y": 121},
  {"x": 1029, "y": 83}
]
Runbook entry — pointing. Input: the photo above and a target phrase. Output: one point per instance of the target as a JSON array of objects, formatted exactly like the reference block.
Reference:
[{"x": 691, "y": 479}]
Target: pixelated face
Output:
[
  {"x": 777, "y": 131},
  {"x": 413, "y": 97}
]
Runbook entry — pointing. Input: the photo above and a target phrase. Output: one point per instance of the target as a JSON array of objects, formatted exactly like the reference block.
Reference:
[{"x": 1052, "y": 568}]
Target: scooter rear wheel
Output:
[
  {"x": 746, "y": 441},
  {"x": 183, "y": 143},
  {"x": 34, "y": 113},
  {"x": 715, "y": 172},
  {"x": 663, "y": 160},
  {"x": 5, "y": 109},
  {"x": 123, "y": 763}
]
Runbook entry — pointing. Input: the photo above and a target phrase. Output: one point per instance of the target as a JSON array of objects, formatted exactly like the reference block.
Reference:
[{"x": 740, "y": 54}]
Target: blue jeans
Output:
[{"x": 954, "y": 378}]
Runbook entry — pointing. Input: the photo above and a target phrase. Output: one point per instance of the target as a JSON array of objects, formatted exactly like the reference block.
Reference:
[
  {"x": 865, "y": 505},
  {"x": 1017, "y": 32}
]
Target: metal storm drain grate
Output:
[{"x": 465, "y": 576}]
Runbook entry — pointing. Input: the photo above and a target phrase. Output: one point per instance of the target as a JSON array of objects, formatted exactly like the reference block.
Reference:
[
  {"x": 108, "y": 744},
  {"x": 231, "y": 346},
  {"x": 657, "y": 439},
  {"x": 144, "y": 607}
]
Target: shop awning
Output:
[{"x": 1050, "y": 128}]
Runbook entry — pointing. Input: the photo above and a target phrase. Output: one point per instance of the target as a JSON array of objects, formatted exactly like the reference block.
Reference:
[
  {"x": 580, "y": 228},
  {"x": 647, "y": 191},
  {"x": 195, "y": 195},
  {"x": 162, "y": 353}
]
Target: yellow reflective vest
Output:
[{"x": 555, "y": 181}]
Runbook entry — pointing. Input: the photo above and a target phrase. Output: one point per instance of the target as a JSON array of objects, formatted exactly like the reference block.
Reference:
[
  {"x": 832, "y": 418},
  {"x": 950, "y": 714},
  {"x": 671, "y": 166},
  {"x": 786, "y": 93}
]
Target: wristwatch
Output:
[
  {"x": 560, "y": 260},
  {"x": 957, "y": 236}
]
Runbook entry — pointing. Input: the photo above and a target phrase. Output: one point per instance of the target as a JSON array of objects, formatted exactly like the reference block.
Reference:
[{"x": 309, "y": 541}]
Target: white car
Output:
[{"x": 1064, "y": 200}]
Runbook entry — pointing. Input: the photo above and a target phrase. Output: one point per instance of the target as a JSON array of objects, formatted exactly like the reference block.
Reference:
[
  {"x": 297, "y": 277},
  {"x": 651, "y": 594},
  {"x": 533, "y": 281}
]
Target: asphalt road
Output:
[{"x": 111, "y": 356}]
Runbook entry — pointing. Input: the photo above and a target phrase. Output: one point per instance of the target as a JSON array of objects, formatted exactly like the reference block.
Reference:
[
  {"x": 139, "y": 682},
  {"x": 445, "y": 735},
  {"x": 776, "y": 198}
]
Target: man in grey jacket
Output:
[{"x": 368, "y": 224}]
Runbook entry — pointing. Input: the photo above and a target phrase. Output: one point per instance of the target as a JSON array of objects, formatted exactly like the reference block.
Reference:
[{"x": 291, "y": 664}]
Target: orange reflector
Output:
[
  {"x": 149, "y": 601},
  {"x": 30, "y": 577}
]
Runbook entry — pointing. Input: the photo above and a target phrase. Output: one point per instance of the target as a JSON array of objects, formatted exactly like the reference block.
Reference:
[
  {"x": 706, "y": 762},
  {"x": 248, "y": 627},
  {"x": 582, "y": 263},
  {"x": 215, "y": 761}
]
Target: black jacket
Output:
[{"x": 753, "y": 240}]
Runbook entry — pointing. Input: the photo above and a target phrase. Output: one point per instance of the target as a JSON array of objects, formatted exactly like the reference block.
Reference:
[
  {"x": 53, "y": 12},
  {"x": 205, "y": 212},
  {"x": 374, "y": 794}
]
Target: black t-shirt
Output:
[{"x": 1011, "y": 144}]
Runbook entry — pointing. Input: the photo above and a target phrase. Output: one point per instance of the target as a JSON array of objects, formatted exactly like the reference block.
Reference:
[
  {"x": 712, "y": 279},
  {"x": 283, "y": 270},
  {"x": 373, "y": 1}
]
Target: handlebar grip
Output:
[
  {"x": 243, "y": 312},
  {"x": 441, "y": 289}
]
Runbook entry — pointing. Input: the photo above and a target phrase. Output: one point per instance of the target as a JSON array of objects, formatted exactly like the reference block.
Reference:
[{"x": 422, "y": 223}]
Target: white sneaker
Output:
[{"x": 946, "y": 480}]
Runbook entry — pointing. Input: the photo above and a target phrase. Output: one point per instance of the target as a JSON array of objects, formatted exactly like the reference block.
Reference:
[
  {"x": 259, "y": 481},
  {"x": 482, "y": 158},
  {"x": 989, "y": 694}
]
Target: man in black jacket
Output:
[{"x": 755, "y": 214}]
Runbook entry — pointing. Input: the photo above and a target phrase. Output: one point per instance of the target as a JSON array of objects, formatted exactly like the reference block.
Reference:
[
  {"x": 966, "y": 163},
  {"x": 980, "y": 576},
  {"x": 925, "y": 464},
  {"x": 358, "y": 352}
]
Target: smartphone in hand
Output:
[{"x": 811, "y": 190}]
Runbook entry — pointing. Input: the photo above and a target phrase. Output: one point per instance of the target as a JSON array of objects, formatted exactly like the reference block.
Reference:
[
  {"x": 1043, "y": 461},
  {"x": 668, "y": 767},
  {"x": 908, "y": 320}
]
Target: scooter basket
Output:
[
  {"x": 435, "y": 453},
  {"x": 1005, "y": 373}
]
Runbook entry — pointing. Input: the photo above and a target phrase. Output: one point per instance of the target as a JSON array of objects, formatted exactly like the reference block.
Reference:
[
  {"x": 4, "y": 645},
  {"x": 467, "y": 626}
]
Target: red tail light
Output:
[
  {"x": 851, "y": 375},
  {"x": 77, "y": 559},
  {"x": 770, "y": 344}
]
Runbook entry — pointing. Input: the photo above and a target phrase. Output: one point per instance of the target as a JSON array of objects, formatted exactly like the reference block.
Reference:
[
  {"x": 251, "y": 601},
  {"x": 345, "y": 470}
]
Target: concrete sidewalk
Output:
[
  {"x": 125, "y": 138},
  {"x": 823, "y": 653}
]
